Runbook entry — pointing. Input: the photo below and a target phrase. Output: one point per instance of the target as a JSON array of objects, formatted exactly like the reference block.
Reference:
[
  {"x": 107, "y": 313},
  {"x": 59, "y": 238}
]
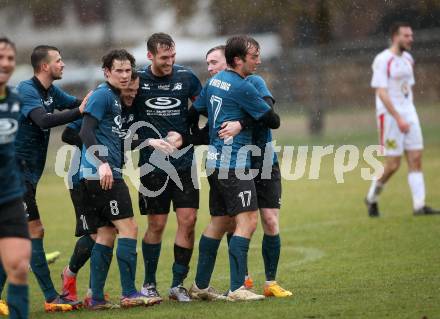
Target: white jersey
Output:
[{"x": 395, "y": 73}]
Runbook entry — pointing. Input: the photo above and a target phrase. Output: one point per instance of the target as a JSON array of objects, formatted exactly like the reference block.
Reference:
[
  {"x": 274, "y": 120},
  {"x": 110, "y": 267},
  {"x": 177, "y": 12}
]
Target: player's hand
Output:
[
  {"x": 84, "y": 102},
  {"x": 403, "y": 125},
  {"x": 105, "y": 176},
  {"x": 174, "y": 139},
  {"x": 161, "y": 145},
  {"x": 229, "y": 129}
]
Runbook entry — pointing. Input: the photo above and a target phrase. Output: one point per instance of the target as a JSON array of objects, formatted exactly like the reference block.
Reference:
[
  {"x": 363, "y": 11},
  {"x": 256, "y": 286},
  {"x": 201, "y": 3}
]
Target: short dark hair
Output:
[
  {"x": 238, "y": 46},
  {"x": 117, "y": 54},
  {"x": 395, "y": 27},
  {"x": 159, "y": 39},
  {"x": 8, "y": 42},
  {"x": 40, "y": 54},
  {"x": 218, "y": 47}
]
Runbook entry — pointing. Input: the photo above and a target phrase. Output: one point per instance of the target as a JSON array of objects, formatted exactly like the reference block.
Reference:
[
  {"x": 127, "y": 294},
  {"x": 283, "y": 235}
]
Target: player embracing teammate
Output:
[{"x": 229, "y": 99}]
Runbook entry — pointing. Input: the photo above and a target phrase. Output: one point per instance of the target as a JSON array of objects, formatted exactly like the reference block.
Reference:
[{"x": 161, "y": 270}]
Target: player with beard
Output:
[
  {"x": 267, "y": 182},
  {"x": 397, "y": 119},
  {"x": 40, "y": 99},
  {"x": 268, "y": 188},
  {"x": 162, "y": 101},
  {"x": 228, "y": 96}
]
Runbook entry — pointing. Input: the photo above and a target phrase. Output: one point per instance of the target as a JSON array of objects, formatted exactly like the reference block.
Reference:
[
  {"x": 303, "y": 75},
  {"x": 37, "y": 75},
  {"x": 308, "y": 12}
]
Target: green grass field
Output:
[{"x": 338, "y": 262}]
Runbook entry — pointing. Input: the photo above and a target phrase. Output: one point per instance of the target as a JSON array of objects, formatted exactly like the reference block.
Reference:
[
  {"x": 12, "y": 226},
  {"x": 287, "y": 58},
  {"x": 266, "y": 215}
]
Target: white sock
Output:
[
  {"x": 374, "y": 191},
  {"x": 417, "y": 186}
]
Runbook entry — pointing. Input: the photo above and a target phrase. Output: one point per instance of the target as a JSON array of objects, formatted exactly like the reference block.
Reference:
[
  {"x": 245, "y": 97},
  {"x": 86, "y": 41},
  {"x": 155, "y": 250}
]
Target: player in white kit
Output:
[{"x": 398, "y": 123}]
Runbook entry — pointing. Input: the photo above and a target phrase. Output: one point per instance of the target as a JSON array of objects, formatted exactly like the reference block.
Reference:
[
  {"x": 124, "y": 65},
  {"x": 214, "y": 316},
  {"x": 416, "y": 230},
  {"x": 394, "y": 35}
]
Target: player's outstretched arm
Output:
[{"x": 46, "y": 120}]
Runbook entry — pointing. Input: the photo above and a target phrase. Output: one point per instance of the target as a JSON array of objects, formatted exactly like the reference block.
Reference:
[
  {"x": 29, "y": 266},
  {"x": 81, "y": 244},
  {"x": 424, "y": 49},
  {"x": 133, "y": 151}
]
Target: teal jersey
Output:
[
  {"x": 32, "y": 141},
  {"x": 105, "y": 106},
  {"x": 229, "y": 97},
  {"x": 262, "y": 135},
  {"x": 11, "y": 184},
  {"x": 163, "y": 103}
]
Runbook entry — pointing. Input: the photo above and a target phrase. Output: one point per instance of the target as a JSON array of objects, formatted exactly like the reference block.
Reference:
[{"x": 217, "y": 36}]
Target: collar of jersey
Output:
[
  {"x": 40, "y": 86},
  {"x": 159, "y": 78},
  {"x": 232, "y": 71},
  {"x": 115, "y": 90}
]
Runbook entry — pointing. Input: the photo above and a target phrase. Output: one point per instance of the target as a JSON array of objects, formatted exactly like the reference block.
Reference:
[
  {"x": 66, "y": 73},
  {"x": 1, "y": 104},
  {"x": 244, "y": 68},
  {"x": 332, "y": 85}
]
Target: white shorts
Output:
[{"x": 393, "y": 141}]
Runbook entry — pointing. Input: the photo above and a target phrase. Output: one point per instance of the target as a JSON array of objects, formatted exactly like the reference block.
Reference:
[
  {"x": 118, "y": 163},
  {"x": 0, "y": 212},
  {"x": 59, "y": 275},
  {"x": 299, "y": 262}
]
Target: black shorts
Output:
[
  {"x": 84, "y": 224},
  {"x": 163, "y": 190},
  {"x": 30, "y": 204},
  {"x": 13, "y": 219},
  {"x": 231, "y": 196},
  {"x": 269, "y": 190},
  {"x": 104, "y": 206}
]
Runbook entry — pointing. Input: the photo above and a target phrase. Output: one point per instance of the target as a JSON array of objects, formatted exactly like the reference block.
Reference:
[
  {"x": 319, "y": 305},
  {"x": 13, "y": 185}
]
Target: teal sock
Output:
[
  {"x": 238, "y": 249},
  {"x": 228, "y": 237},
  {"x": 2, "y": 279},
  {"x": 41, "y": 269},
  {"x": 271, "y": 248},
  {"x": 18, "y": 301},
  {"x": 179, "y": 274},
  {"x": 207, "y": 255},
  {"x": 151, "y": 253},
  {"x": 127, "y": 257},
  {"x": 99, "y": 266},
  {"x": 182, "y": 257},
  {"x": 81, "y": 253}
]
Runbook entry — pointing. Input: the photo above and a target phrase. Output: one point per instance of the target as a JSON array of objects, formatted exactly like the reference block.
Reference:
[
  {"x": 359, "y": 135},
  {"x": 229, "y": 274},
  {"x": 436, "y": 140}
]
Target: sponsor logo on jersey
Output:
[
  {"x": 177, "y": 86},
  {"x": 164, "y": 87},
  {"x": 15, "y": 107},
  {"x": 213, "y": 156},
  {"x": 118, "y": 121},
  {"x": 146, "y": 86},
  {"x": 405, "y": 89},
  {"x": 8, "y": 128},
  {"x": 128, "y": 119},
  {"x": 48, "y": 102},
  {"x": 163, "y": 103}
]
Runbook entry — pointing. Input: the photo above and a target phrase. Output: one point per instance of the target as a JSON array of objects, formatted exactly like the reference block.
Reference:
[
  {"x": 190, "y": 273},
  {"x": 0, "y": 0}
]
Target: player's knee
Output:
[
  {"x": 18, "y": 270},
  {"x": 106, "y": 236},
  {"x": 156, "y": 226},
  {"x": 133, "y": 230},
  {"x": 188, "y": 223},
  {"x": 415, "y": 164},
  {"x": 251, "y": 225},
  {"x": 270, "y": 224},
  {"x": 393, "y": 165}
]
